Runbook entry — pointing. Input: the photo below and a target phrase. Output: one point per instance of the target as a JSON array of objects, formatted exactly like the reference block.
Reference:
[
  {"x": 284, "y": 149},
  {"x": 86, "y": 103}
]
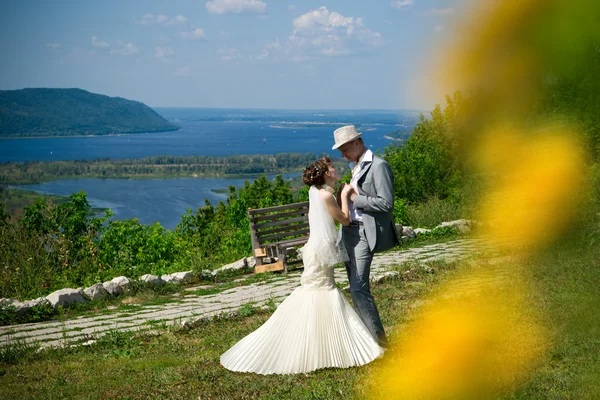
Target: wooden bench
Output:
[{"x": 274, "y": 231}]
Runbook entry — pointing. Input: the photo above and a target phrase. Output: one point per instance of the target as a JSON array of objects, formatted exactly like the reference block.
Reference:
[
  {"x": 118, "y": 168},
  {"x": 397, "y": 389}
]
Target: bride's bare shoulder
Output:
[{"x": 325, "y": 195}]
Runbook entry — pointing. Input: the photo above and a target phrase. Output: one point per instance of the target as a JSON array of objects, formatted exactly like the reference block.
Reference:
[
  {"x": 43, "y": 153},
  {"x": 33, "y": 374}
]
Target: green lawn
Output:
[{"x": 185, "y": 365}]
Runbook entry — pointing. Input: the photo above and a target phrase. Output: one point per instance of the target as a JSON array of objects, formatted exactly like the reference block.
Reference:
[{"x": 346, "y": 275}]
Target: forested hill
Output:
[{"x": 68, "y": 112}]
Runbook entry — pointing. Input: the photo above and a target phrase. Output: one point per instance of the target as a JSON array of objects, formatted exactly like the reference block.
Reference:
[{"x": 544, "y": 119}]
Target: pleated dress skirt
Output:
[{"x": 311, "y": 329}]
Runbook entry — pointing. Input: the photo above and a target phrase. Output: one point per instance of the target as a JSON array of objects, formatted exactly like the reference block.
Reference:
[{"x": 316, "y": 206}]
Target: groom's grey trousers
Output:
[{"x": 359, "y": 270}]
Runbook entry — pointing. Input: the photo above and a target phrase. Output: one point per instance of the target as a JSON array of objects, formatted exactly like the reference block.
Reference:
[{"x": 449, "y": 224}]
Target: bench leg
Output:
[{"x": 281, "y": 256}]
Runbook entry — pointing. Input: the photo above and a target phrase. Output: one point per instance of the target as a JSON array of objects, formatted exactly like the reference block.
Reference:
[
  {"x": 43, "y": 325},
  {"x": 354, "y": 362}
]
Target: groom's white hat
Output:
[{"x": 344, "y": 135}]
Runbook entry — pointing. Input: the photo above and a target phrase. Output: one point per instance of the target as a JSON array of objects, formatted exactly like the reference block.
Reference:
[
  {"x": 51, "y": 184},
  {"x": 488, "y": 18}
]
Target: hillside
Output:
[{"x": 69, "y": 112}]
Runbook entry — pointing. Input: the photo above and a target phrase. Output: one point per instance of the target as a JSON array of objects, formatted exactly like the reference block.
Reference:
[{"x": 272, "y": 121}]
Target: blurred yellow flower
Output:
[
  {"x": 535, "y": 180},
  {"x": 474, "y": 338}
]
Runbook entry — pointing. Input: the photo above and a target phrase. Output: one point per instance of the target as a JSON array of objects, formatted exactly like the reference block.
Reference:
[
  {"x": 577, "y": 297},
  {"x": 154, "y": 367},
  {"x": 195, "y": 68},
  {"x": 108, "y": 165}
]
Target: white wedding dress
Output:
[{"x": 315, "y": 327}]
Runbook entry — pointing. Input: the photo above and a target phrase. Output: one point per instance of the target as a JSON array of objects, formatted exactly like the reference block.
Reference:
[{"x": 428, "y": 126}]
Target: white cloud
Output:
[
  {"x": 164, "y": 53},
  {"x": 321, "y": 33},
  {"x": 229, "y": 54},
  {"x": 438, "y": 28},
  {"x": 125, "y": 49},
  {"x": 331, "y": 34},
  {"x": 236, "y": 6},
  {"x": 274, "y": 45},
  {"x": 53, "y": 45},
  {"x": 440, "y": 11},
  {"x": 401, "y": 3},
  {"x": 194, "y": 34},
  {"x": 183, "y": 71},
  {"x": 99, "y": 43},
  {"x": 162, "y": 20},
  {"x": 264, "y": 53}
]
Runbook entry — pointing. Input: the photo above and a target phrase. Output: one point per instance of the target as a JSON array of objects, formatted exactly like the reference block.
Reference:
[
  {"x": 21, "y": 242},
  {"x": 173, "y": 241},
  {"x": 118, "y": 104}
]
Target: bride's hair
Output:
[{"x": 314, "y": 174}]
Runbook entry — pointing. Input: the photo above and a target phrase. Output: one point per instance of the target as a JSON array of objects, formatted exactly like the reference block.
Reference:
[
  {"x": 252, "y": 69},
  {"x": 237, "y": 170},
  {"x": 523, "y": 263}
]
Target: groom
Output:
[{"x": 372, "y": 228}]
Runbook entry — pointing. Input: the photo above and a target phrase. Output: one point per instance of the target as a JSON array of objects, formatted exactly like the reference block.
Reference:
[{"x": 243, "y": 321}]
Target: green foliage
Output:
[
  {"x": 66, "y": 112},
  {"x": 157, "y": 166},
  {"x": 400, "y": 216},
  {"x": 55, "y": 246},
  {"x": 432, "y": 212},
  {"x": 574, "y": 94},
  {"x": 247, "y": 310},
  {"x": 440, "y": 232},
  {"x": 133, "y": 249},
  {"x": 428, "y": 165},
  {"x": 39, "y": 312},
  {"x": 17, "y": 351}
]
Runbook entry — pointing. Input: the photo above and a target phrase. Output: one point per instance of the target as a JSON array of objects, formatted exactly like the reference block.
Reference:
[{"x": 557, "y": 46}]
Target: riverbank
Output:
[
  {"x": 86, "y": 136},
  {"x": 15, "y": 200},
  {"x": 157, "y": 167}
]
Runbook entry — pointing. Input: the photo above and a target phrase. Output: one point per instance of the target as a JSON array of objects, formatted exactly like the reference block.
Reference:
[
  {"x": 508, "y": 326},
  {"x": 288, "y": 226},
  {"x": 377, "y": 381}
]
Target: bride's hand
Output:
[{"x": 347, "y": 190}]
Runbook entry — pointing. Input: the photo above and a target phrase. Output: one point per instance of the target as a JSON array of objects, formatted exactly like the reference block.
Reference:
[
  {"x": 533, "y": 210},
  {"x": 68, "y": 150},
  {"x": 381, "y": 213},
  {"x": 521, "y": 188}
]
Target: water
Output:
[
  {"x": 148, "y": 200},
  {"x": 219, "y": 133},
  {"x": 212, "y": 132}
]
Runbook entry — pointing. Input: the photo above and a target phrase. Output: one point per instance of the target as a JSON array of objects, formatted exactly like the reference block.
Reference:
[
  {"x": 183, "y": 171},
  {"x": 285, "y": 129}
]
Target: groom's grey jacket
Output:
[{"x": 375, "y": 199}]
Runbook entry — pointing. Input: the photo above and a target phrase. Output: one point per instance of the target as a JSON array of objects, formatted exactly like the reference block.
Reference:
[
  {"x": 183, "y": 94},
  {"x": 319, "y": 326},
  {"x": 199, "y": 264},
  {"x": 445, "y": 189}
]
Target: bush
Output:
[
  {"x": 57, "y": 246},
  {"x": 428, "y": 164},
  {"x": 432, "y": 213}
]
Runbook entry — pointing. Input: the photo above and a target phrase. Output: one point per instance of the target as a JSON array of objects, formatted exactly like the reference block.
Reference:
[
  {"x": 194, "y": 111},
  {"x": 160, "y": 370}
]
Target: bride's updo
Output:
[{"x": 314, "y": 174}]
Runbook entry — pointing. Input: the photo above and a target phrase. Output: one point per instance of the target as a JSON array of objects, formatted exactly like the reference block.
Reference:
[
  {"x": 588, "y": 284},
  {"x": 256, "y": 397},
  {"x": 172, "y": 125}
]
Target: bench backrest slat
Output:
[
  {"x": 292, "y": 206},
  {"x": 283, "y": 229},
  {"x": 267, "y": 217},
  {"x": 283, "y": 222},
  {"x": 263, "y": 239}
]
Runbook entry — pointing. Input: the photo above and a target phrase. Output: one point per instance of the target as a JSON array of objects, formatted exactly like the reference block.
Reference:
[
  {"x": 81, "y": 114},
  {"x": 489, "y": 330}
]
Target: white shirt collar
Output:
[{"x": 367, "y": 156}]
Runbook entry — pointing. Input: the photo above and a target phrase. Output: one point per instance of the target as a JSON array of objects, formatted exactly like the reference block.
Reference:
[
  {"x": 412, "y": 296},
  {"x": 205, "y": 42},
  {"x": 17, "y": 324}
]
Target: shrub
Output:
[{"x": 432, "y": 213}]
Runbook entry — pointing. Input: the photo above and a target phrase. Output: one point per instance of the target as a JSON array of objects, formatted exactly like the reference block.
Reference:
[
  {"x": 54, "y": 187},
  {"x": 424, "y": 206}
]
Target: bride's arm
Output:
[{"x": 341, "y": 215}]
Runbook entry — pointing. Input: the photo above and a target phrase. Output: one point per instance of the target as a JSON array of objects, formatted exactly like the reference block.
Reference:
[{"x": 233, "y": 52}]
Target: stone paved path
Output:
[{"x": 57, "y": 333}]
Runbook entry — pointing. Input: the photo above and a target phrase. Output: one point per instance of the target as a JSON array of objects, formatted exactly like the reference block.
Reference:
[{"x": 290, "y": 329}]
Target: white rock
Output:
[
  {"x": 408, "y": 231},
  {"x": 250, "y": 262},
  {"x": 6, "y": 302},
  {"x": 391, "y": 274},
  {"x": 178, "y": 277},
  {"x": 463, "y": 225},
  {"x": 122, "y": 281},
  {"x": 151, "y": 279},
  {"x": 96, "y": 292},
  {"x": 21, "y": 307},
  {"x": 65, "y": 297},
  {"x": 234, "y": 266},
  {"x": 207, "y": 273},
  {"x": 418, "y": 231},
  {"x": 112, "y": 288},
  {"x": 399, "y": 229}
]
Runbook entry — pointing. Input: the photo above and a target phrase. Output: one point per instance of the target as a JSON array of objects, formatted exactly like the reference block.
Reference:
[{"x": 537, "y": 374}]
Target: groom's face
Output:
[{"x": 351, "y": 151}]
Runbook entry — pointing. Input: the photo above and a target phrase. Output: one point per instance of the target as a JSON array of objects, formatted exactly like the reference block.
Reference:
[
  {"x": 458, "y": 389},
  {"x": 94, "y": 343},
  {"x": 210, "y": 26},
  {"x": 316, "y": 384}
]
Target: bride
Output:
[{"x": 315, "y": 327}]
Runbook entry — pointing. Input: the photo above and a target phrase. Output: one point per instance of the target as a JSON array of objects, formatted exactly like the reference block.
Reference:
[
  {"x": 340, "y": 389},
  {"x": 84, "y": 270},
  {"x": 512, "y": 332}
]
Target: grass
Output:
[
  {"x": 186, "y": 364},
  {"x": 564, "y": 285}
]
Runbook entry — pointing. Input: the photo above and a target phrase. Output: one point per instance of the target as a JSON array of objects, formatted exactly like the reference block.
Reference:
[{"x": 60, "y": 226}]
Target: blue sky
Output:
[{"x": 229, "y": 53}]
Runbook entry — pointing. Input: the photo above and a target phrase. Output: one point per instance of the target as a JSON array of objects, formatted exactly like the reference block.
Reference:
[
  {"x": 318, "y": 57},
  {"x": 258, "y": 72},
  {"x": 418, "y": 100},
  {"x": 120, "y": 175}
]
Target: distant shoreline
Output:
[{"x": 80, "y": 136}]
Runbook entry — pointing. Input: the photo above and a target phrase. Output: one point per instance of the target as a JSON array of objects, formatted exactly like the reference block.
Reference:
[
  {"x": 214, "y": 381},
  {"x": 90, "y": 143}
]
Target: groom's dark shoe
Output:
[{"x": 383, "y": 342}]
